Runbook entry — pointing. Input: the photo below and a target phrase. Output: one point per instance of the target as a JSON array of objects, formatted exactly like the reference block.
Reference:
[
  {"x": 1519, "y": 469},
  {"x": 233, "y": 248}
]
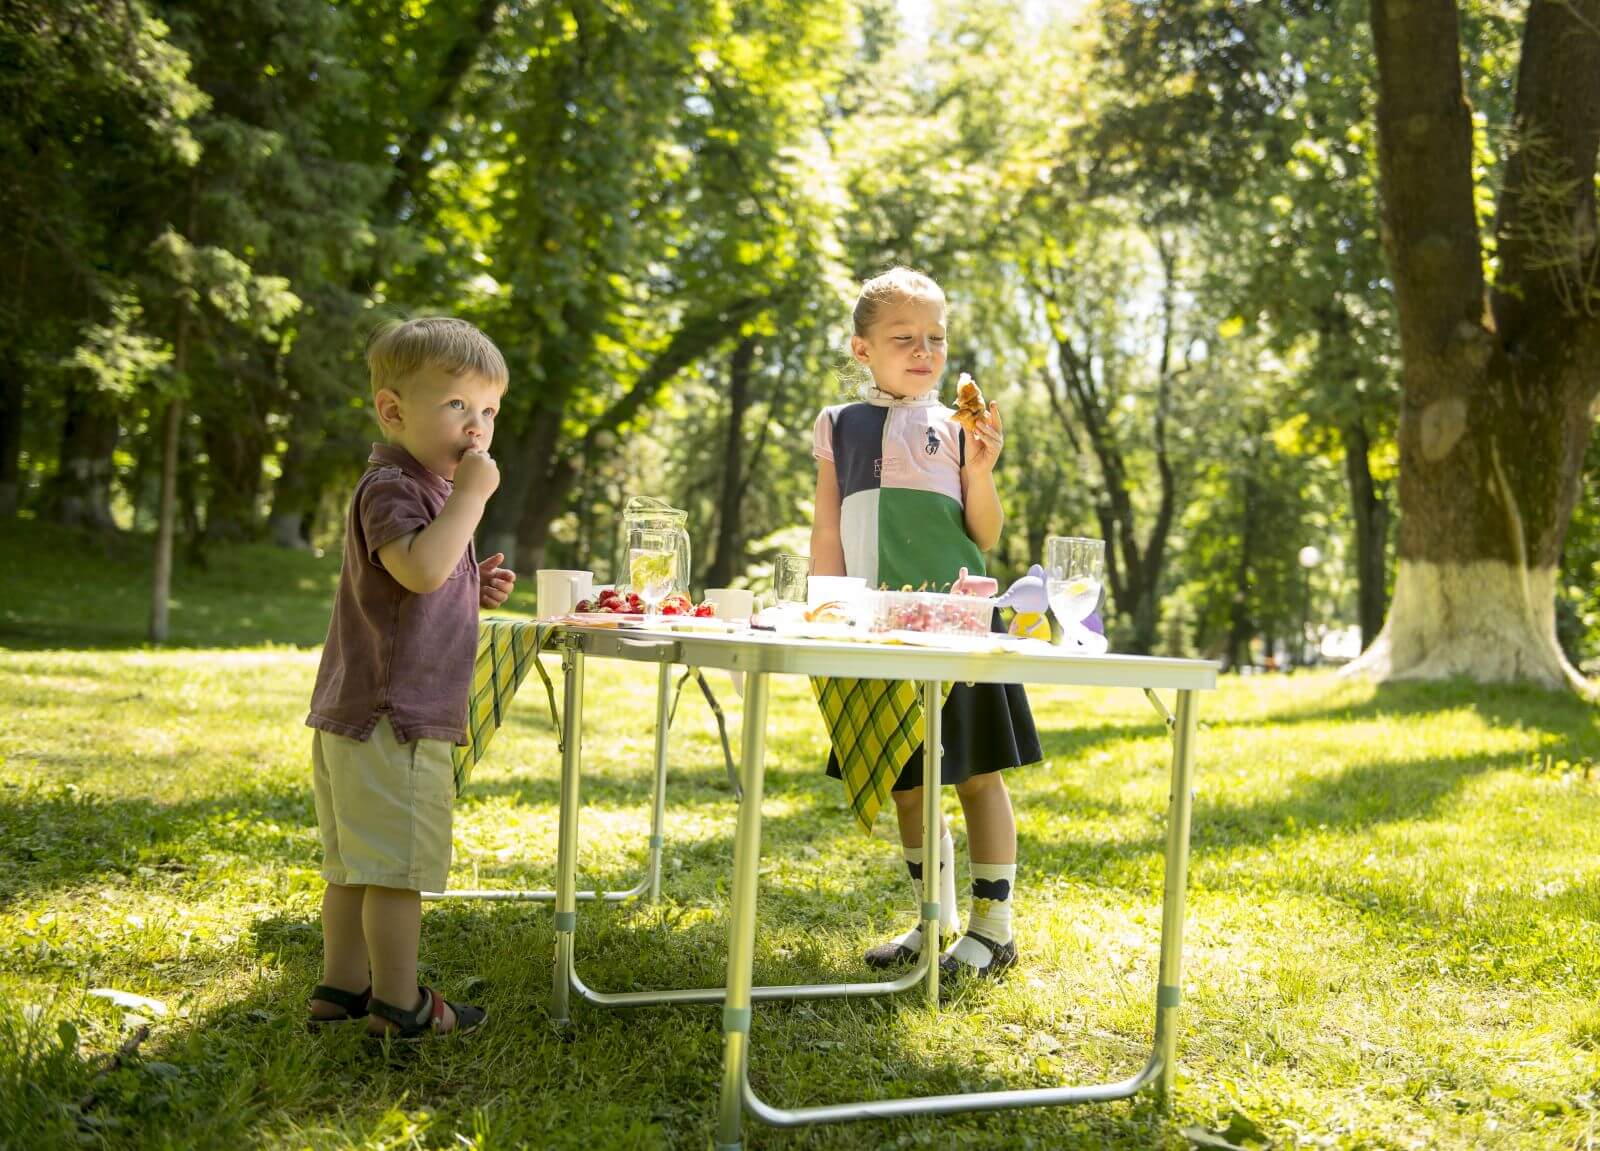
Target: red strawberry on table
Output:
[
  {"x": 583, "y": 606},
  {"x": 706, "y": 610}
]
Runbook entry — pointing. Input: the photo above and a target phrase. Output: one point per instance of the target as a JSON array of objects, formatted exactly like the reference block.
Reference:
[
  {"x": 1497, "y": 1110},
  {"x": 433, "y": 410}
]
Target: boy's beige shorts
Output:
[{"x": 383, "y": 808}]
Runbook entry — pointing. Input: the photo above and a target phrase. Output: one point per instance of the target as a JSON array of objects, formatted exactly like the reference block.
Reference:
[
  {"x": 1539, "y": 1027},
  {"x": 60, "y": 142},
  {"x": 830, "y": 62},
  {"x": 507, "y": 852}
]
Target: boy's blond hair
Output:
[
  {"x": 398, "y": 349},
  {"x": 891, "y": 287}
]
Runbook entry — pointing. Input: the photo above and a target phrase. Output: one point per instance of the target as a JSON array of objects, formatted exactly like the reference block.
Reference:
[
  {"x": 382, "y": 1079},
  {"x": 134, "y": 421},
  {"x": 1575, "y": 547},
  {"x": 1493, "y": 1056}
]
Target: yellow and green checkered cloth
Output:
[
  {"x": 875, "y": 725},
  {"x": 507, "y": 649}
]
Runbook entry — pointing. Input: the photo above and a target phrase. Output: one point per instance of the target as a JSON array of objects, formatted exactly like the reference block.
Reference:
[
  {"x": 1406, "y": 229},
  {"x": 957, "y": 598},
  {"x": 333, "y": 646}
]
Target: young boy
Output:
[{"x": 392, "y": 688}]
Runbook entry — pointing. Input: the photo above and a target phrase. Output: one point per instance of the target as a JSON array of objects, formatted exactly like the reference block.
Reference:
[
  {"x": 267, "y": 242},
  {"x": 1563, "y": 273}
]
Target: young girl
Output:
[{"x": 904, "y": 496}]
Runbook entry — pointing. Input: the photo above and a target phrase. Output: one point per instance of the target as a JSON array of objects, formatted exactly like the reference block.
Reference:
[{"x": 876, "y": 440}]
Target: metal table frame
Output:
[{"x": 761, "y": 655}]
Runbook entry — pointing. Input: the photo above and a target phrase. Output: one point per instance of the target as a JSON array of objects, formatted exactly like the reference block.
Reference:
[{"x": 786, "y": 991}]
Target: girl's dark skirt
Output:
[{"x": 986, "y": 726}]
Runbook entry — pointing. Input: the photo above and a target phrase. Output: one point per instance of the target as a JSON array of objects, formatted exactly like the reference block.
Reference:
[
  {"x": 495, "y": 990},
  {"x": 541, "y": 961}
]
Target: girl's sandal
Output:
[
  {"x": 413, "y": 1025},
  {"x": 352, "y": 1003}
]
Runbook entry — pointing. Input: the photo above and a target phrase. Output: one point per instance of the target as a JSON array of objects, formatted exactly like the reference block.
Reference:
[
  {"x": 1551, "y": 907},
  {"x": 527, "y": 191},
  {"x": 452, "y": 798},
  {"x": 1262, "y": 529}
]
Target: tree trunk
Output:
[
  {"x": 1369, "y": 508},
  {"x": 11, "y": 401},
  {"x": 161, "y": 581},
  {"x": 518, "y": 519},
  {"x": 1041, "y": 512},
  {"x": 726, "y": 562},
  {"x": 533, "y": 531},
  {"x": 167, "y": 514},
  {"x": 298, "y": 491},
  {"x": 294, "y": 501},
  {"x": 1133, "y": 572},
  {"x": 1497, "y": 387},
  {"x": 528, "y": 466},
  {"x": 234, "y": 450},
  {"x": 1240, "y": 626},
  {"x": 81, "y": 495}
]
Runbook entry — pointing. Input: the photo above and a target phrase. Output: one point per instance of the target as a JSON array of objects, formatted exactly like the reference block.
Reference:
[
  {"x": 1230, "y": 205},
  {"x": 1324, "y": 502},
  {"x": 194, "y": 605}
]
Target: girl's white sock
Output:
[{"x": 992, "y": 884}]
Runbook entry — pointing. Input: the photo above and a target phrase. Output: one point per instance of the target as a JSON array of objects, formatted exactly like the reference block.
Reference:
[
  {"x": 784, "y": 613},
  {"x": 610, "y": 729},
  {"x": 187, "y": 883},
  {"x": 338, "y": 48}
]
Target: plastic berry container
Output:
[{"x": 933, "y": 612}]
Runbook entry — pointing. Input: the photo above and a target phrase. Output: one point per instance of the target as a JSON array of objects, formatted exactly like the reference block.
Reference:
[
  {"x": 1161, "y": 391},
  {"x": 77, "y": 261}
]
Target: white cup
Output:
[
  {"x": 734, "y": 603},
  {"x": 558, "y": 591}
]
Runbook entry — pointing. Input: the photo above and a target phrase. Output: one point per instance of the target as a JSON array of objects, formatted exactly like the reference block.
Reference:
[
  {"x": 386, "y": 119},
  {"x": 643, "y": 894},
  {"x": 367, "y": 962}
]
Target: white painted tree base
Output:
[{"x": 1487, "y": 620}]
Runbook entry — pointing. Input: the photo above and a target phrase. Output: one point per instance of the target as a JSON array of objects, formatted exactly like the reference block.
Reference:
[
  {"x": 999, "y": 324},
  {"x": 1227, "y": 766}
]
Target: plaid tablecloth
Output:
[
  {"x": 507, "y": 649},
  {"x": 875, "y": 725}
]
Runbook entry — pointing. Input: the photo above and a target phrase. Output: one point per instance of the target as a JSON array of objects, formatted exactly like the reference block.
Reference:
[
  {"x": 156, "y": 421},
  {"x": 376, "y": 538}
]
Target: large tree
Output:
[{"x": 1501, "y": 357}]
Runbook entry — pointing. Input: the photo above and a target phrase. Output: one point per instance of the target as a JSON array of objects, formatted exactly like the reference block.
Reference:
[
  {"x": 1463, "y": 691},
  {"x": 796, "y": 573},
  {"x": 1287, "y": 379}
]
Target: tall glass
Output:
[
  {"x": 1075, "y": 570},
  {"x": 789, "y": 575}
]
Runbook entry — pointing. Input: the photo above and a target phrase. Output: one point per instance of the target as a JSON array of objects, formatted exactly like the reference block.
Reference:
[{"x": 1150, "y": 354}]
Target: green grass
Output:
[{"x": 1392, "y": 938}]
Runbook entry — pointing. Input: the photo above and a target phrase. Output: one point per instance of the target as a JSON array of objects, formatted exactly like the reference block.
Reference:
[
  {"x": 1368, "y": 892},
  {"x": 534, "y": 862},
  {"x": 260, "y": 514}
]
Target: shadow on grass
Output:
[
  {"x": 616, "y": 1075},
  {"x": 1359, "y": 797},
  {"x": 56, "y": 839},
  {"x": 1509, "y": 706}
]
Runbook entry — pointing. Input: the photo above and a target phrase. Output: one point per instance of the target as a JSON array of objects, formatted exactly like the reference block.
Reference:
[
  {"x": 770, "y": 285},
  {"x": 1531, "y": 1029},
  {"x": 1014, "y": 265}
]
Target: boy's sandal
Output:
[
  {"x": 352, "y": 1003},
  {"x": 414, "y": 1025}
]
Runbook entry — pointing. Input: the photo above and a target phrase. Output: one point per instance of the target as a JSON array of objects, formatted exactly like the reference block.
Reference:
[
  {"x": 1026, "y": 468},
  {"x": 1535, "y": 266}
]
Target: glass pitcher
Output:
[{"x": 654, "y": 556}]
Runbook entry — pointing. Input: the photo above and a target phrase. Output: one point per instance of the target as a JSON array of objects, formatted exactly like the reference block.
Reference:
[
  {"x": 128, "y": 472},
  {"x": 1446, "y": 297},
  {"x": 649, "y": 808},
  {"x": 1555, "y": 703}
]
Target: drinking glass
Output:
[
  {"x": 789, "y": 575},
  {"x": 1075, "y": 569}
]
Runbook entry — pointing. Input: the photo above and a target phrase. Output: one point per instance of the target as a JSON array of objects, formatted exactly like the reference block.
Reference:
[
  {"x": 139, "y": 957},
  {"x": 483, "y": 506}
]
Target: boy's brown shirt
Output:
[{"x": 390, "y": 651}]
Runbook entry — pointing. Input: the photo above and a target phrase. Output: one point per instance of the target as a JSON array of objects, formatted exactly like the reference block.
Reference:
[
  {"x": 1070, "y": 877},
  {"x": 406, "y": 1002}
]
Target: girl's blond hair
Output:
[{"x": 897, "y": 284}]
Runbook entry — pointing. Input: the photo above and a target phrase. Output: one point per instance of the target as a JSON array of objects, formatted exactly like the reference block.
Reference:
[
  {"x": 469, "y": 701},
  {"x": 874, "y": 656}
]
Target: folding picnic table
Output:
[{"x": 763, "y": 654}]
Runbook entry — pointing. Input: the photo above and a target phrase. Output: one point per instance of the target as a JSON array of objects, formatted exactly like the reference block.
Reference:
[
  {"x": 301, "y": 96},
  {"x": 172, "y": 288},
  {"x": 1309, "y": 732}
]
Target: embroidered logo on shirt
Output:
[{"x": 932, "y": 446}]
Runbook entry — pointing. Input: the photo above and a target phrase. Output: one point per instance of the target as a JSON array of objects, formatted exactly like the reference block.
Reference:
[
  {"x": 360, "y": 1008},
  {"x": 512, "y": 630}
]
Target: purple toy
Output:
[{"x": 1030, "y": 595}]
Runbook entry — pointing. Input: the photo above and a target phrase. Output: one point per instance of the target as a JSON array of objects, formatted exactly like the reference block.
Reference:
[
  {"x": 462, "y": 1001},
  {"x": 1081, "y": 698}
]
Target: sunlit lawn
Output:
[{"x": 1391, "y": 942}]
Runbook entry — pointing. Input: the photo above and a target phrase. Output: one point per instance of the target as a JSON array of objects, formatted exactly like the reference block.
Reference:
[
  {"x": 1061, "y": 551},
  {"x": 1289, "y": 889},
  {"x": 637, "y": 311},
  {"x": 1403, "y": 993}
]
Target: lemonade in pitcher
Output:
[{"x": 653, "y": 573}]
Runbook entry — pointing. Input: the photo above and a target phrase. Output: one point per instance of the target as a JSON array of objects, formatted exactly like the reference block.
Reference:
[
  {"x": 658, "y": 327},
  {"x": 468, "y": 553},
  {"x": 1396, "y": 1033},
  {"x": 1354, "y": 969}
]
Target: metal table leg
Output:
[
  {"x": 650, "y": 882},
  {"x": 932, "y": 751},
  {"x": 1169, "y": 990},
  {"x": 742, "y": 923},
  {"x": 690, "y": 995},
  {"x": 566, "y": 919},
  {"x": 1159, "y": 1069},
  {"x": 658, "y": 807}
]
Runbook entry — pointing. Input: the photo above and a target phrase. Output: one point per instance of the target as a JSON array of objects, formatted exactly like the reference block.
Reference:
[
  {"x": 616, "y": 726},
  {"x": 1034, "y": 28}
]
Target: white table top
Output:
[{"x": 764, "y": 651}]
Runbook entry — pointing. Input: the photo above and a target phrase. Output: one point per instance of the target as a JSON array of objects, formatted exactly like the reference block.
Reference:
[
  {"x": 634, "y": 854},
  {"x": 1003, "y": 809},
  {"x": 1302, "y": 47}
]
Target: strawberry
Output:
[
  {"x": 705, "y": 610},
  {"x": 583, "y": 605}
]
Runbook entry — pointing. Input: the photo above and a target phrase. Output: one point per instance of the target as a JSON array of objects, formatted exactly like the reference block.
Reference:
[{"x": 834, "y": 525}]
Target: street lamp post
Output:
[{"x": 1310, "y": 557}]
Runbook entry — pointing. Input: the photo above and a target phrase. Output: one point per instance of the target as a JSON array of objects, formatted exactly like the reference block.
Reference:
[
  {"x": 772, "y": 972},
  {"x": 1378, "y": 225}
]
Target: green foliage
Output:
[{"x": 218, "y": 201}]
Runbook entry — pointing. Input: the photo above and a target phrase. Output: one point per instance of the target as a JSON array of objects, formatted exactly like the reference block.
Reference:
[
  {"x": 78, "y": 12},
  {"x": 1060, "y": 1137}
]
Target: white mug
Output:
[
  {"x": 558, "y": 591},
  {"x": 731, "y": 602}
]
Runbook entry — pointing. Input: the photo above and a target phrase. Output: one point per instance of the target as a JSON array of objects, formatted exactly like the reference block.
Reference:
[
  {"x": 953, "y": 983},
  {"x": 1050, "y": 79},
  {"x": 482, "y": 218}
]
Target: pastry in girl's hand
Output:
[{"x": 970, "y": 407}]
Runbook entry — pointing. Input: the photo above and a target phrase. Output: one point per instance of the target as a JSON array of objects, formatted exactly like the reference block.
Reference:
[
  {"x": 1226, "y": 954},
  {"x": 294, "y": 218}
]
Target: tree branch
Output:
[{"x": 1545, "y": 230}]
